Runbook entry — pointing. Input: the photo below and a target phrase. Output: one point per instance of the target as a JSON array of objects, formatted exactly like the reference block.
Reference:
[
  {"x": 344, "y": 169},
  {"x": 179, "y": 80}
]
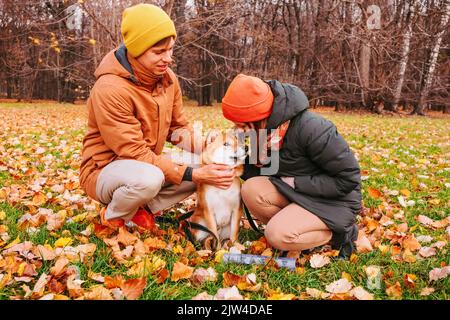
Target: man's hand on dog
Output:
[{"x": 217, "y": 175}]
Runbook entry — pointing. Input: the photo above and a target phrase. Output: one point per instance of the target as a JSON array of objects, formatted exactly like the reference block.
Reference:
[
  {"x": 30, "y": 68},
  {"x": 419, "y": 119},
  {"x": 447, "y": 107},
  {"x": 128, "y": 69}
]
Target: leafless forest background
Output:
[{"x": 332, "y": 49}]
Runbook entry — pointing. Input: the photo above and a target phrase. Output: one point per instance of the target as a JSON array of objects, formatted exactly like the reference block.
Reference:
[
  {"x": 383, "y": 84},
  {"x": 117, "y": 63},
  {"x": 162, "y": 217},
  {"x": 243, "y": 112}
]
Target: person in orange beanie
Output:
[
  {"x": 315, "y": 194},
  {"x": 134, "y": 107}
]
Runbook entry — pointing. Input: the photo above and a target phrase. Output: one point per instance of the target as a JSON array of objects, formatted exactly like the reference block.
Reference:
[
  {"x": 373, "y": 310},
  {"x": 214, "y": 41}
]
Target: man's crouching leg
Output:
[
  {"x": 126, "y": 185},
  {"x": 171, "y": 194}
]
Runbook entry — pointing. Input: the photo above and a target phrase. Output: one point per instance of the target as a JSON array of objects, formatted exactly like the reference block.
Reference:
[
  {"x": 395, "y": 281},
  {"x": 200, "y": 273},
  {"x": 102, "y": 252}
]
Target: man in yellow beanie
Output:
[{"x": 134, "y": 107}]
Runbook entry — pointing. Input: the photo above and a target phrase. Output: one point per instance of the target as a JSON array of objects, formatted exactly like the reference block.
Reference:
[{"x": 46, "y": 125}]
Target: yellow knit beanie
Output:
[{"x": 143, "y": 25}]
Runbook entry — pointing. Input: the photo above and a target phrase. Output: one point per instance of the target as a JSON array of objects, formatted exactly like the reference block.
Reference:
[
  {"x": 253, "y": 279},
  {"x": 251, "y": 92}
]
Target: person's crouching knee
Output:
[
  {"x": 148, "y": 185},
  {"x": 277, "y": 236}
]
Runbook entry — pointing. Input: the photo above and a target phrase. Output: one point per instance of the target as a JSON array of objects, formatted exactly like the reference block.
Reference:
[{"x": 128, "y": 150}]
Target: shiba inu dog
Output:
[{"x": 217, "y": 209}]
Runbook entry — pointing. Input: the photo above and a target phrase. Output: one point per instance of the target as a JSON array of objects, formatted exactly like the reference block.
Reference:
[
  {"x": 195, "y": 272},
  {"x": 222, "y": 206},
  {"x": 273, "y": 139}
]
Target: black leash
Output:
[
  {"x": 187, "y": 226},
  {"x": 250, "y": 219}
]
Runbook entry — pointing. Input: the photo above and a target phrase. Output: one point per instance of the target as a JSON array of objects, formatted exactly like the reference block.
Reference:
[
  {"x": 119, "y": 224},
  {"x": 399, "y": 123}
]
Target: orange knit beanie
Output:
[{"x": 247, "y": 99}]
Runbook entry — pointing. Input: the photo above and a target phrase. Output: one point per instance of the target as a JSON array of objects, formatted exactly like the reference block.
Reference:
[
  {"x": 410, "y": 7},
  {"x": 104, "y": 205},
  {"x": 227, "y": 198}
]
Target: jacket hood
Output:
[
  {"x": 116, "y": 62},
  {"x": 110, "y": 65},
  {"x": 289, "y": 101}
]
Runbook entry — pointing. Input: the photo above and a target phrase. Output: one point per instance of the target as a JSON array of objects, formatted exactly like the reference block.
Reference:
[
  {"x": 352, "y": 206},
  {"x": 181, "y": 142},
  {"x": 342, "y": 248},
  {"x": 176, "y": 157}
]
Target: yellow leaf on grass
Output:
[
  {"x": 408, "y": 256},
  {"x": 300, "y": 270},
  {"x": 147, "y": 266},
  {"x": 39, "y": 199},
  {"x": 79, "y": 217},
  {"x": 21, "y": 269},
  {"x": 62, "y": 213},
  {"x": 219, "y": 254},
  {"x": 249, "y": 283},
  {"x": 383, "y": 248},
  {"x": 346, "y": 275},
  {"x": 405, "y": 192},
  {"x": 178, "y": 249},
  {"x": 16, "y": 241},
  {"x": 2, "y": 215},
  {"x": 181, "y": 271},
  {"x": 281, "y": 296},
  {"x": 434, "y": 201},
  {"x": 63, "y": 242},
  {"x": 5, "y": 279}
]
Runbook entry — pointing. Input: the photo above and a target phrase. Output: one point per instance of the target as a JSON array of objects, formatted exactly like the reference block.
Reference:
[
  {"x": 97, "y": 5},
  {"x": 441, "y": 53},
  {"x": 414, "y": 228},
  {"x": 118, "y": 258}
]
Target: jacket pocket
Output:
[{"x": 102, "y": 159}]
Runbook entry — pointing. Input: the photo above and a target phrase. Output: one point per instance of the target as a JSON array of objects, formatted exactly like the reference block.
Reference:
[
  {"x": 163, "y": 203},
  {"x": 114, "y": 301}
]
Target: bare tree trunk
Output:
[
  {"x": 168, "y": 6},
  {"x": 419, "y": 109},
  {"x": 405, "y": 55},
  {"x": 58, "y": 78},
  {"x": 364, "y": 67},
  {"x": 9, "y": 87},
  {"x": 113, "y": 22},
  {"x": 94, "y": 50},
  {"x": 318, "y": 46}
]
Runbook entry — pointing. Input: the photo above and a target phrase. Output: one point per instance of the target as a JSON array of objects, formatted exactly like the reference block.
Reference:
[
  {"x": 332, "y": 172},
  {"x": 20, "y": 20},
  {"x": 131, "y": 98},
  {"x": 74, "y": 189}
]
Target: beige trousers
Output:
[
  {"x": 126, "y": 185},
  {"x": 289, "y": 227}
]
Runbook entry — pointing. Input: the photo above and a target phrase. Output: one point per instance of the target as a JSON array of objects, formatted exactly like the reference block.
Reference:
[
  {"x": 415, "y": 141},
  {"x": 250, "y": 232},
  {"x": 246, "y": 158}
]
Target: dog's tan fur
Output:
[{"x": 217, "y": 209}]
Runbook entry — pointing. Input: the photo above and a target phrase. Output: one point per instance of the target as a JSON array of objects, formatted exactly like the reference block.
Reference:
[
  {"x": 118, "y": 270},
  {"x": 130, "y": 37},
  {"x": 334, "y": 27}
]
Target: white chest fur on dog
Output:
[{"x": 222, "y": 203}]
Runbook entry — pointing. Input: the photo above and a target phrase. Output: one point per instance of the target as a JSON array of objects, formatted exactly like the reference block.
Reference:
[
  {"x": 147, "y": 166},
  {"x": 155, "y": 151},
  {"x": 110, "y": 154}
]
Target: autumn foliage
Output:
[{"x": 52, "y": 245}]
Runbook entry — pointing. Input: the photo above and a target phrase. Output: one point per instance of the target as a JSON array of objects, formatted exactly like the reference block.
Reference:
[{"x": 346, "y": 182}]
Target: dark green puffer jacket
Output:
[{"x": 327, "y": 174}]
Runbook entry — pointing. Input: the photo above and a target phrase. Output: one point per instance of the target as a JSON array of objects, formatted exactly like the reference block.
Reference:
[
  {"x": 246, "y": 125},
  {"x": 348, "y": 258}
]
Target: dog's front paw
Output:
[
  {"x": 210, "y": 243},
  {"x": 227, "y": 244}
]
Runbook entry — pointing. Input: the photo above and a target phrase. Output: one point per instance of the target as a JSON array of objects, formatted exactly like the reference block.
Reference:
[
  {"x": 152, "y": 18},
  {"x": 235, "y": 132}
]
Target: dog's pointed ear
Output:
[{"x": 212, "y": 135}]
